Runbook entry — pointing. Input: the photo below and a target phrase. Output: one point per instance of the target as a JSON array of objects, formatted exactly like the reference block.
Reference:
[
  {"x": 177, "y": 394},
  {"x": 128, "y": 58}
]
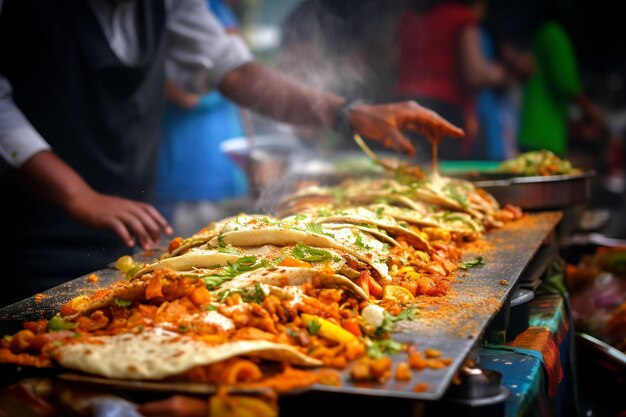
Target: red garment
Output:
[{"x": 427, "y": 46}]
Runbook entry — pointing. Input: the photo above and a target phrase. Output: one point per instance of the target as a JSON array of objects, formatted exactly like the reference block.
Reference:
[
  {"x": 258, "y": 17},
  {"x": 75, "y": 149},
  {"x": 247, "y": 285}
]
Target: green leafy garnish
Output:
[
  {"x": 473, "y": 264},
  {"x": 220, "y": 241},
  {"x": 313, "y": 327},
  {"x": 300, "y": 217},
  {"x": 359, "y": 242},
  {"x": 121, "y": 303},
  {"x": 379, "y": 212},
  {"x": 230, "y": 271},
  {"x": 228, "y": 249},
  {"x": 409, "y": 313},
  {"x": 317, "y": 228},
  {"x": 257, "y": 296},
  {"x": 182, "y": 329},
  {"x": 389, "y": 320},
  {"x": 308, "y": 254},
  {"x": 265, "y": 220},
  {"x": 378, "y": 348},
  {"x": 452, "y": 191},
  {"x": 211, "y": 308},
  {"x": 57, "y": 323}
]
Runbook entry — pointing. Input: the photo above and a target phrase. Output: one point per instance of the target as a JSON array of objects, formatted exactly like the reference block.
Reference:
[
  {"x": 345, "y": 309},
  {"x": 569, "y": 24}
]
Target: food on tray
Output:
[
  {"x": 538, "y": 163},
  {"x": 256, "y": 300},
  {"x": 598, "y": 285}
]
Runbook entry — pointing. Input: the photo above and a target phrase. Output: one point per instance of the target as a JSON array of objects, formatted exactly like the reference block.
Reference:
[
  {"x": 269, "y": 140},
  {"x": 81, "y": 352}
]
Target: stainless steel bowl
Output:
[{"x": 264, "y": 159}]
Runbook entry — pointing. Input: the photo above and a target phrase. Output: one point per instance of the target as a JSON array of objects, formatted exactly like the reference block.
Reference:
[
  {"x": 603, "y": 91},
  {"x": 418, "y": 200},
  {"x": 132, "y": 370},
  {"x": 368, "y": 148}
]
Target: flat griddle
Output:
[{"x": 452, "y": 324}]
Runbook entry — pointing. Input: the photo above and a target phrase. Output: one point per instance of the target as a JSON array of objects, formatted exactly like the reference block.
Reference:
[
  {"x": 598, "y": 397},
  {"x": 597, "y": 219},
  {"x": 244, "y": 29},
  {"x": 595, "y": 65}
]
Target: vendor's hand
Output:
[
  {"x": 384, "y": 123},
  {"x": 129, "y": 219}
]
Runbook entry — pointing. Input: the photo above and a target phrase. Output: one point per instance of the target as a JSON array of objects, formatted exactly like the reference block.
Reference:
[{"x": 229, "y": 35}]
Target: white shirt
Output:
[{"x": 199, "y": 55}]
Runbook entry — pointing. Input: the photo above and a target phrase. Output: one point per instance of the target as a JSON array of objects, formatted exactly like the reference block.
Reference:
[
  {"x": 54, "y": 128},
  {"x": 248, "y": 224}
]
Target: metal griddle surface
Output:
[{"x": 452, "y": 324}]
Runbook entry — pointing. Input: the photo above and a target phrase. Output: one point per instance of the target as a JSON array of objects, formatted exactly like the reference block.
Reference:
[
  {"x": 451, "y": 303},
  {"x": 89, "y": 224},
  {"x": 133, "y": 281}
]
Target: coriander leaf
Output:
[
  {"x": 308, "y": 254},
  {"x": 244, "y": 264},
  {"x": 409, "y": 313},
  {"x": 300, "y": 217},
  {"x": 257, "y": 297},
  {"x": 211, "y": 308},
  {"x": 182, "y": 329},
  {"x": 121, "y": 303},
  {"x": 213, "y": 281},
  {"x": 378, "y": 348},
  {"x": 389, "y": 320},
  {"x": 379, "y": 212},
  {"x": 359, "y": 242},
  {"x": 313, "y": 327},
  {"x": 472, "y": 264},
  {"x": 228, "y": 249},
  {"x": 220, "y": 240},
  {"x": 387, "y": 326},
  {"x": 317, "y": 228}
]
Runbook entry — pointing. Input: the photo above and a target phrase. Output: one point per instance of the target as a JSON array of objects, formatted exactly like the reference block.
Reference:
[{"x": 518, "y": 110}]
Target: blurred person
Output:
[
  {"x": 499, "y": 109},
  {"x": 549, "y": 94},
  {"x": 441, "y": 63},
  {"x": 81, "y": 99},
  {"x": 194, "y": 126}
]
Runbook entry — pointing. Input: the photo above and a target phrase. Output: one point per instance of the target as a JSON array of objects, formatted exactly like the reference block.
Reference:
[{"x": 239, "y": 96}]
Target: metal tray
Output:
[
  {"x": 452, "y": 324},
  {"x": 538, "y": 192}
]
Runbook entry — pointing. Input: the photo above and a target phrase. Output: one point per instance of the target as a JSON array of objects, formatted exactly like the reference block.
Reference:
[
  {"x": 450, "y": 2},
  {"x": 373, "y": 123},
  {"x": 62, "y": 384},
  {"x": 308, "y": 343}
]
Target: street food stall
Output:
[{"x": 362, "y": 290}]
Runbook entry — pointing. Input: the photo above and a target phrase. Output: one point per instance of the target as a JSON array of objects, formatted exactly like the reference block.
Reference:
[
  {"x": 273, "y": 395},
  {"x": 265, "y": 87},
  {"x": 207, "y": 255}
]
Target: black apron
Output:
[{"x": 100, "y": 116}]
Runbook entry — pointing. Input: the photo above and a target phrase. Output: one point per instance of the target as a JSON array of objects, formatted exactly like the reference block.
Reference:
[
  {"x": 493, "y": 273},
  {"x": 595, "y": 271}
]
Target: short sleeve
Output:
[{"x": 200, "y": 52}]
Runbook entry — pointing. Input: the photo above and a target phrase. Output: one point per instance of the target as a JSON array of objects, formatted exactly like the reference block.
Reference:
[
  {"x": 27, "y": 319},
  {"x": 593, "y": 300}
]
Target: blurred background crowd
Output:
[{"x": 517, "y": 76}]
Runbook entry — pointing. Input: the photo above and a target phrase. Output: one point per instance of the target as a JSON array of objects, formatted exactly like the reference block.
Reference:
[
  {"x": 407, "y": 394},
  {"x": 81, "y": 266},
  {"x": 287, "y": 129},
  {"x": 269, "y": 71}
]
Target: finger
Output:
[
  {"x": 137, "y": 229},
  {"x": 165, "y": 226},
  {"x": 454, "y": 131},
  {"x": 402, "y": 143},
  {"x": 122, "y": 232},
  {"x": 148, "y": 222}
]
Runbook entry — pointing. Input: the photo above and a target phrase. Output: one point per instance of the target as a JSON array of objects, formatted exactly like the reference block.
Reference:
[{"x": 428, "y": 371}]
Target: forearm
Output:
[
  {"x": 50, "y": 178},
  {"x": 273, "y": 94}
]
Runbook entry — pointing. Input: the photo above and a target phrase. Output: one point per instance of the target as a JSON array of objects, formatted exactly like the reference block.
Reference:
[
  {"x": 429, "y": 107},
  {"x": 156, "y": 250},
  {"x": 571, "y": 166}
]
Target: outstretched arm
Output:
[{"x": 269, "y": 92}]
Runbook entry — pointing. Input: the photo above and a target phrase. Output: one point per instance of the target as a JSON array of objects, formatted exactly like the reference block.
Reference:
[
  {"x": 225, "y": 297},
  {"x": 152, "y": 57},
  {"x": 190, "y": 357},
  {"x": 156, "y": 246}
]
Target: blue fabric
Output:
[
  {"x": 498, "y": 115},
  {"x": 191, "y": 165}
]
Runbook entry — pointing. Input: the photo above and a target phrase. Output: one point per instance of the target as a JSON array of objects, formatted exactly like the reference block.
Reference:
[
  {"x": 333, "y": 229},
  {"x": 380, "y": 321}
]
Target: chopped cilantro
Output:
[
  {"x": 317, "y": 228},
  {"x": 246, "y": 296},
  {"x": 389, "y": 320},
  {"x": 57, "y": 323},
  {"x": 228, "y": 249},
  {"x": 122, "y": 303},
  {"x": 472, "y": 264},
  {"x": 265, "y": 220},
  {"x": 313, "y": 327},
  {"x": 230, "y": 271},
  {"x": 409, "y": 313},
  {"x": 378, "y": 348},
  {"x": 300, "y": 217},
  {"x": 211, "y": 308},
  {"x": 182, "y": 329},
  {"x": 309, "y": 254},
  {"x": 220, "y": 240},
  {"x": 379, "y": 212},
  {"x": 359, "y": 242},
  {"x": 452, "y": 191}
]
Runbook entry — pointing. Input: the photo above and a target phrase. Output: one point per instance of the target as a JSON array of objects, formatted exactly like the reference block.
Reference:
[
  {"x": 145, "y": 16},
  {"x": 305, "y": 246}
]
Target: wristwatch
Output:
[{"x": 341, "y": 124}]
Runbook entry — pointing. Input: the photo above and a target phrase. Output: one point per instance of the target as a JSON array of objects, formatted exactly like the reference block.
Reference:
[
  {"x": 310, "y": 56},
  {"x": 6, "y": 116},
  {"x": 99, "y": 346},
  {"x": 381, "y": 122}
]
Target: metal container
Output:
[
  {"x": 539, "y": 192},
  {"x": 264, "y": 158}
]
